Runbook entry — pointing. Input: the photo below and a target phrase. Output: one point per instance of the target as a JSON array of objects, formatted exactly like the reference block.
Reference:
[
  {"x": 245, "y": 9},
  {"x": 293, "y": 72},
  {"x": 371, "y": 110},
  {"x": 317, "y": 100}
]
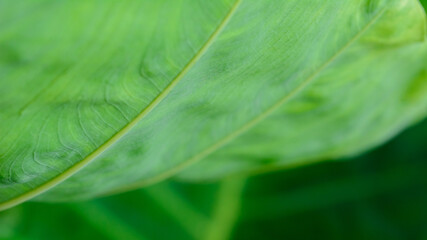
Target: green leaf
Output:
[{"x": 143, "y": 89}]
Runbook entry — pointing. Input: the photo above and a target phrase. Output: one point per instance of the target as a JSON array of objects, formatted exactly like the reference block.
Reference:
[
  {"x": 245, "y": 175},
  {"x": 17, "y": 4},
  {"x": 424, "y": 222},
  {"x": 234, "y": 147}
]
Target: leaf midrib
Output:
[
  {"x": 249, "y": 125},
  {"x": 116, "y": 137}
]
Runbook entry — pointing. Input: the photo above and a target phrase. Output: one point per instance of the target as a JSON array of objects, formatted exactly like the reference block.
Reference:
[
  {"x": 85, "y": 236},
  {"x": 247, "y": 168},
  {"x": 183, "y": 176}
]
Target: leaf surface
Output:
[{"x": 143, "y": 89}]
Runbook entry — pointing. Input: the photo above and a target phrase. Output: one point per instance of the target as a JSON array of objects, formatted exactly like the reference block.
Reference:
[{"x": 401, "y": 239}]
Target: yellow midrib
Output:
[{"x": 115, "y": 138}]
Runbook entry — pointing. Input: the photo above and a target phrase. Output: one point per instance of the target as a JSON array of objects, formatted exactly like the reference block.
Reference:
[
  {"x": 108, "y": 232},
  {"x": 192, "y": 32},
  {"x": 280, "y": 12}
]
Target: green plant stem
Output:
[
  {"x": 178, "y": 208},
  {"x": 227, "y": 209},
  {"x": 99, "y": 217}
]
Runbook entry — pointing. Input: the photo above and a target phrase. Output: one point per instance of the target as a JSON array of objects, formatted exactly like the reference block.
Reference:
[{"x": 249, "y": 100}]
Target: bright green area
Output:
[
  {"x": 142, "y": 89},
  {"x": 380, "y": 195}
]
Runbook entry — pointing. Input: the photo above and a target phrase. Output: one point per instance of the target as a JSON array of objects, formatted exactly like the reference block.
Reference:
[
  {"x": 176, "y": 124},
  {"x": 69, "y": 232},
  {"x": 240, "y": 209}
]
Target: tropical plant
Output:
[{"x": 100, "y": 97}]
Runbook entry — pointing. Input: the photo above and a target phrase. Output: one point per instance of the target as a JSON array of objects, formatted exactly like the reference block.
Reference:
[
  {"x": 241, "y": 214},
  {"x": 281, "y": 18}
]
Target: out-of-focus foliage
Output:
[
  {"x": 147, "y": 88},
  {"x": 381, "y": 195}
]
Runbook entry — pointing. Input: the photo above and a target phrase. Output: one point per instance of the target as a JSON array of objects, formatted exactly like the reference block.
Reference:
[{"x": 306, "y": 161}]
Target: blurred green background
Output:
[{"x": 380, "y": 195}]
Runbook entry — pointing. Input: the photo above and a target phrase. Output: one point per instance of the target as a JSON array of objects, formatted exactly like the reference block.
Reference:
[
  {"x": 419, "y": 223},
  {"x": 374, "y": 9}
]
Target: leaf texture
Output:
[{"x": 143, "y": 89}]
